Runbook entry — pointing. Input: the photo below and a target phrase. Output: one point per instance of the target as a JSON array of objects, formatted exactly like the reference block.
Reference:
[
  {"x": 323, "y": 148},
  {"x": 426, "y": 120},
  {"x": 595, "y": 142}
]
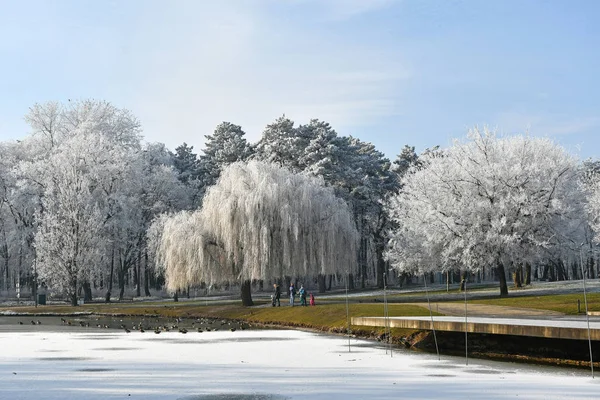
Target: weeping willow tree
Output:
[{"x": 258, "y": 222}]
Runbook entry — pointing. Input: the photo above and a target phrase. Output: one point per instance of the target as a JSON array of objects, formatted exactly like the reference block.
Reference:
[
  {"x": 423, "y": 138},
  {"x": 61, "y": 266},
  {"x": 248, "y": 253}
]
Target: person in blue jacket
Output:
[
  {"x": 302, "y": 295},
  {"x": 292, "y": 294}
]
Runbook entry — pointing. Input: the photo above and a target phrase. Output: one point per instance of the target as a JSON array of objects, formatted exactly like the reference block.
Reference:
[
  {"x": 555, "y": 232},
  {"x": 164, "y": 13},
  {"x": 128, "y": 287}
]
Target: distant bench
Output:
[{"x": 125, "y": 298}]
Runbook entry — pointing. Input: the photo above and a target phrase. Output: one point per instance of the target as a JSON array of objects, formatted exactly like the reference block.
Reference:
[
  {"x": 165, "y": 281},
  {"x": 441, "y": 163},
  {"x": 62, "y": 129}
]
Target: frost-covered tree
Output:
[
  {"x": 367, "y": 182},
  {"x": 258, "y": 222},
  {"x": 13, "y": 217},
  {"x": 356, "y": 170},
  {"x": 147, "y": 185},
  {"x": 189, "y": 170},
  {"x": 225, "y": 146},
  {"x": 186, "y": 163},
  {"x": 22, "y": 192},
  {"x": 487, "y": 201},
  {"x": 85, "y": 148},
  {"x": 70, "y": 218},
  {"x": 591, "y": 184},
  {"x": 54, "y": 122},
  {"x": 282, "y": 144},
  {"x": 406, "y": 159}
]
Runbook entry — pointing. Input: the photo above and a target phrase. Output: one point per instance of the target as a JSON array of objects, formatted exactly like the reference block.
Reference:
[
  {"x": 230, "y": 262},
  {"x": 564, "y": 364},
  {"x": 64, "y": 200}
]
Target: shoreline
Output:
[{"x": 486, "y": 347}]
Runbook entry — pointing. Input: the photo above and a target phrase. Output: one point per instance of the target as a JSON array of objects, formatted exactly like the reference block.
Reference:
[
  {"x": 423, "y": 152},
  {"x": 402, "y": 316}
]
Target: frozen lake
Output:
[{"x": 271, "y": 364}]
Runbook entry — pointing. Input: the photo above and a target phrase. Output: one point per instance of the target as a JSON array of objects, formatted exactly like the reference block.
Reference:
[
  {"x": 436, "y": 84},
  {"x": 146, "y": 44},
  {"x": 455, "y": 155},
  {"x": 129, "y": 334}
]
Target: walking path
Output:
[
  {"x": 493, "y": 319},
  {"x": 486, "y": 310},
  {"x": 546, "y": 328}
]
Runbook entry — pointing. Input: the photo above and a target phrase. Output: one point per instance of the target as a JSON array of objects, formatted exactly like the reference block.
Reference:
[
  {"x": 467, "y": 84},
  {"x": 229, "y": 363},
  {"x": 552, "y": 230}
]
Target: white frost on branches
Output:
[
  {"x": 259, "y": 222},
  {"x": 485, "y": 201}
]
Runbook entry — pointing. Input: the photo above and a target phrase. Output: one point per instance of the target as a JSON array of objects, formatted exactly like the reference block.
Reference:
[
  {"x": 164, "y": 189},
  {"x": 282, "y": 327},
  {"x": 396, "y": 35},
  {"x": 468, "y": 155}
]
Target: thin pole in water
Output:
[
  {"x": 466, "y": 342},
  {"x": 587, "y": 317},
  {"x": 431, "y": 315},
  {"x": 35, "y": 283},
  {"x": 348, "y": 312}
]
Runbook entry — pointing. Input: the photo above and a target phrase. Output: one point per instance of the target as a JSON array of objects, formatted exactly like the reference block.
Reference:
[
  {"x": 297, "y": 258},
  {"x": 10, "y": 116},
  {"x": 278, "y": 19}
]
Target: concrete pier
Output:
[{"x": 546, "y": 328}]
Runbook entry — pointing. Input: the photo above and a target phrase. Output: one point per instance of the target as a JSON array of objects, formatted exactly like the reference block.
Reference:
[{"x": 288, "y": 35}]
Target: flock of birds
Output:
[
  {"x": 38, "y": 322},
  {"x": 199, "y": 324}
]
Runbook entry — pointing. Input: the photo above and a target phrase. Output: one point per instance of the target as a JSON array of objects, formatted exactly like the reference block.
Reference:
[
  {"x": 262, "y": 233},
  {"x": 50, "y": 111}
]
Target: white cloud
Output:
[
  {"x": 545, "y": 124},
  {"x": 238, "y": 64},
  {"x": 574, "y": 126},
  {"x": 346, "y": 9}
]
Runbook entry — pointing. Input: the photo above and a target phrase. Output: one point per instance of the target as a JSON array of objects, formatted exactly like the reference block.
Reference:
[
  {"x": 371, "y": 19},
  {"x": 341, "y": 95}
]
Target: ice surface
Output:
[{"x": 258, "y": 365}]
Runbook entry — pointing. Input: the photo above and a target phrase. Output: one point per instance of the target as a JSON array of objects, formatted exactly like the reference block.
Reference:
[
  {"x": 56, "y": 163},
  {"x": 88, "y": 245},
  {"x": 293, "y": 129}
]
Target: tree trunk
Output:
[
  {"x": 560, "y": 271},
  {"x": 74, "y": 302},
  {"x": 288, "y": 283},
  {"x": 463, "y": 280},
  {"x": 6, "y": 260},
  {"x": 350, "y": 282},
  {"x": 34, "y": 285},
  {"x": 456, "y": 276},
  {"x": 527, "y": 274},
  {"x": 363, "y": 262},
  {"x": 138, "y": 280},
  {"x": 246, "y": 290},
  {"x": 330, "y": 280},
  {"x": 176, "y": 296},
  {"x": 121, "y": 279},
  {"x": 546, "y": 272},
  {"x": 363, "y": 277},
  {"x": 74, "y": 292},
  {"x": 501, "y": 278},
  {"x": 146, "y": 274},
  {"x": 321, "y": 282},
  {"x": 380, "y": 265},
  {"x": 517, "y": 278},
  {"x": 110, "y": 278},
  {"x": 403, "y": 278},
  {"x": 7, "y": 279},
  {"x": 121, "y": 290},
  {"x": 87, "y": 291}
]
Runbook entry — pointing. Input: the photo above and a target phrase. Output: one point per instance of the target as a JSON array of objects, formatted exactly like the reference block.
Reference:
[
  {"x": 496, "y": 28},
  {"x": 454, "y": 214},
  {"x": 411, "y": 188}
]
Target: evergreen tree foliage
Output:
[
  {"x": 225, "y": 146},
  {"x": 186, "y": 163}
]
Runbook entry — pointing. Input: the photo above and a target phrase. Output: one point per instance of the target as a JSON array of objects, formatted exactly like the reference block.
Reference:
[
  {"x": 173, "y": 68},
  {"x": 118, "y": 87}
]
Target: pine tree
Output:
[
  {"x": 225, "y": 146},
  {"x": 186, "y": 163}
]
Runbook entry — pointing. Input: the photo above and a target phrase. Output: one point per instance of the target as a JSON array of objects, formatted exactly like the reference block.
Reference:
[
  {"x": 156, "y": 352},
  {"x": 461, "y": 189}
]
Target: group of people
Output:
[{"x": 276, "y": 297}]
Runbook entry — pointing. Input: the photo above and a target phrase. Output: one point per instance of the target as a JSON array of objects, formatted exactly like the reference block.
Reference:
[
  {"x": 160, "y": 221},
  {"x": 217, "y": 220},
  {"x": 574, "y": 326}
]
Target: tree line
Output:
[{"x": 88, "y": 205}]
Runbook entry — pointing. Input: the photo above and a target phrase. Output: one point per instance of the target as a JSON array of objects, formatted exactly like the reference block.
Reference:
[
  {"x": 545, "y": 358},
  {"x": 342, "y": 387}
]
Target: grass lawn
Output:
[
  {"x": 420, "y": 293},
  {"x": 323, "y": 317},
  {"x": 565, "y": 303}
]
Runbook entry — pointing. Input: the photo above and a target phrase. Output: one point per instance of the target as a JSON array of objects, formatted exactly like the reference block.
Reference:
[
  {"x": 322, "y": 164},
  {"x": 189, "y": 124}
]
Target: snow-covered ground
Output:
[{"x": 269, "y": 364}]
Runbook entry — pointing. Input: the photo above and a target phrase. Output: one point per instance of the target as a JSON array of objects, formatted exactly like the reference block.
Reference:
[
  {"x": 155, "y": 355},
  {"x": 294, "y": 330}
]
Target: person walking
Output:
[
  {"x": 276, "y": 295},
  {"x": 312, "y": 299},
  {"x": 292, "y": 294},
  {"x": 302, "y": 295}
]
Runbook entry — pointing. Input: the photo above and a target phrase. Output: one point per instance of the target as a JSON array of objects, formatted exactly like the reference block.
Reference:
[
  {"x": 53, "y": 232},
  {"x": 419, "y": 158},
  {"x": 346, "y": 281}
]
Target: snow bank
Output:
[{"x": 115, "y": 365}]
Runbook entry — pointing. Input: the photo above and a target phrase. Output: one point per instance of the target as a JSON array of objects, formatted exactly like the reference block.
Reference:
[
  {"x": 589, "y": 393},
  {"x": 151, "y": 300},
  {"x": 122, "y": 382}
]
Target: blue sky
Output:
[{"x": 389, "y": 72}]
